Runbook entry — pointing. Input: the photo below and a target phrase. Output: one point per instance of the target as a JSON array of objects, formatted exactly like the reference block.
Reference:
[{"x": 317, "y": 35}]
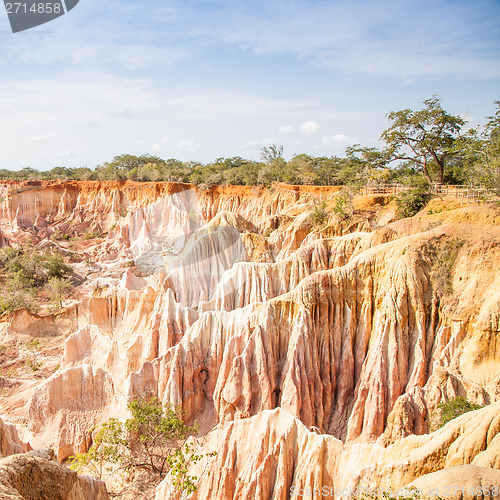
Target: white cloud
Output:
[
  {"x": 188, "y": 145},
  {"x": 309, "y": 127},
  {"x": 249, "y": 145},
  {"x": 63, "y": 154},
  {"x": 41, "y": 137},
  {"x": 133, "y": 141},
  {"x": 370, "y": 37},
  {"x": 287, "y": 129},
  {"x": 155, "y": 148},
  {"x": 221, "y": 102},
  {"x": 80, "y": 102},
  {"x": 165, "y": 140},
  {"x": 338, "y": 140},
  {"x": 268, "y": 142}
]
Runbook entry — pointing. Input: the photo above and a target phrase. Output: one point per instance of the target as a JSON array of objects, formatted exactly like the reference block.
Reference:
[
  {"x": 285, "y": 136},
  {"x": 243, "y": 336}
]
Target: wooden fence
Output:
[{"x": 468, "y": 193}]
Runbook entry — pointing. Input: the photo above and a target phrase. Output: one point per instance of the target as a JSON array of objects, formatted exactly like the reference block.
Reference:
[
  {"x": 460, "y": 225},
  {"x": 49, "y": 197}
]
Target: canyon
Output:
[{"x": 313, "y": 355}]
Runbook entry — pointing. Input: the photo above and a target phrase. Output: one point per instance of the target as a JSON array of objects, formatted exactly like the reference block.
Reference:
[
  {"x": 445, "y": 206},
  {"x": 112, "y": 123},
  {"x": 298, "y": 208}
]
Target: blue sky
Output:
[{"x": 197, "y": 80}]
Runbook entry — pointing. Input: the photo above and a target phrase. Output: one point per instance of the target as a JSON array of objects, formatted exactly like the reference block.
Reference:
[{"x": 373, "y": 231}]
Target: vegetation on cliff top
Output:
[{"x": 428, "y": 143}]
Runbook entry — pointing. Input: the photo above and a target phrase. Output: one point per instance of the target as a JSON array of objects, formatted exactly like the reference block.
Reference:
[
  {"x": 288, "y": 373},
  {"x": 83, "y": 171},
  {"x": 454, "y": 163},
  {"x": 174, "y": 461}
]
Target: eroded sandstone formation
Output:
[
  {"x": 330, "y": 344},
  {"x": 284, "y": 456},
  {"x": 36, "y": 475}
]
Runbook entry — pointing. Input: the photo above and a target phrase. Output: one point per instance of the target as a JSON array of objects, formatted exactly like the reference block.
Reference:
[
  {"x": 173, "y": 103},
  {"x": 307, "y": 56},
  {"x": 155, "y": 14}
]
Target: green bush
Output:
[
  {"x": 57, "y": 235},
  {"x": 90, "y": 235},
  {"x": 152, "y": 439},
  {"x": 17, "y": 299},
  {"x": 34, "y": 348},
  {"x": 59, "y": 289},
  {"x": 34, "y": 365},
  {"x": 453, "y": 408},
  {"x": 410, "y": 202},
  {"x": 55, "y": 267},
  {"x": 343, "y": 205},
  {"x": 23, "y": 274},
  {"x": 319, "y": 213}
]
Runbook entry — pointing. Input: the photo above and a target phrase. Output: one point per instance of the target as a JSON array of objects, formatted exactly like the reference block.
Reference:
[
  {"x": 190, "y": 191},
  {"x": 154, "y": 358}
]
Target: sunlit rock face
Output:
[
  {"x": 310, "y": 354},
  {"x": 158, "y": 232},
  {"x": 283, "y": 456},
  {"x": 68, "y": 405},
  {"x": 37, "y": 475}
]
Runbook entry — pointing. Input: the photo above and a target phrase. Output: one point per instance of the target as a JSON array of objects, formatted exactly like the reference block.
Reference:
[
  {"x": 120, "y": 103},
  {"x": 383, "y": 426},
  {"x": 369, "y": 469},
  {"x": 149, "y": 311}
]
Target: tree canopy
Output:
[
  {"x": 425, "y": 139},
  {"x": 480, "y": 153}
]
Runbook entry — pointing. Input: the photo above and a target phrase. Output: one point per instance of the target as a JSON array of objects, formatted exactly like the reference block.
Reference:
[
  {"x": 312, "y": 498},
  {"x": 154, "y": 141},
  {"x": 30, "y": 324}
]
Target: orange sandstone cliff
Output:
[{"x": 313, "y": 355}]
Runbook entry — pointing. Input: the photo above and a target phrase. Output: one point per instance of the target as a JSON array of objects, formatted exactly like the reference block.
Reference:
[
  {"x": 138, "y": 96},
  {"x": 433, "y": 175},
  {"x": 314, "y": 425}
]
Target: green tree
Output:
[
  {"x": 361, "y": 165},
  {"x": 424, "y": 139},
  {"x": 59, "y": 289},
  {"x": 33, "y": 348},
  {"x": 302, "y": 169},
  {"x": 329, "y": 170},
  {"x": 453, "y": 408},
  {"x": 25, "y": 273},
  {"x": 319, "y": 214},
  {"x": 54, "y": 266},
  {"x": 121, "y": 166},
  {"x": 271, "y": 153},
  {"x": 17, "y": 299},
  {"x": 480, "y": 153},
  {"x": 342, "y": 206},
  {"x": 152, "y": 439}
]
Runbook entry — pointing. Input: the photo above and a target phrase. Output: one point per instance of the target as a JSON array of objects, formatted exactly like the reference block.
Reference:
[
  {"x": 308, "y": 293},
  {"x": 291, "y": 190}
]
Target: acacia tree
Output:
[
  {"x": 425, "y": 139},
  {"x": 271, "y": 153},
  {"x": 362, "y": 164},
  {"x": 480, "y": 153}
]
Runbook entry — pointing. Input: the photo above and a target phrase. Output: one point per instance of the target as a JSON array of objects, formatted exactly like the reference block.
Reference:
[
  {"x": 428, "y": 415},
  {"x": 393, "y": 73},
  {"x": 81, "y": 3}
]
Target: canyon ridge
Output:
[{"x": 312, "y": 351}]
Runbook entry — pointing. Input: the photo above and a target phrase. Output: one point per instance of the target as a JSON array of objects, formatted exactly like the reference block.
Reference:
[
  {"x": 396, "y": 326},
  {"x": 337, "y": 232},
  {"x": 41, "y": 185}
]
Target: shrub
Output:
[
  {"x": 34, "y": 365},
  {"x": 59, "y": 289},
  {"x": 152, "y": 439},
  {"x": 17, "y": 299},
  {"x": 343, "y": 205},
  {"x": 55, "y": 267},
  {"x": 319, "y": 213},
  {"x": 34, "y": 348},
  {"x": 444, "y": 256},
  {"x": 410, "y": 202},
  {"x": 58, "y": 235},
  {"x": 453, "y": 408},
  {"x": 121, "y": 212},
  {"x": 25, "y": 273},
  {"x": 90, "y": 235}
]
